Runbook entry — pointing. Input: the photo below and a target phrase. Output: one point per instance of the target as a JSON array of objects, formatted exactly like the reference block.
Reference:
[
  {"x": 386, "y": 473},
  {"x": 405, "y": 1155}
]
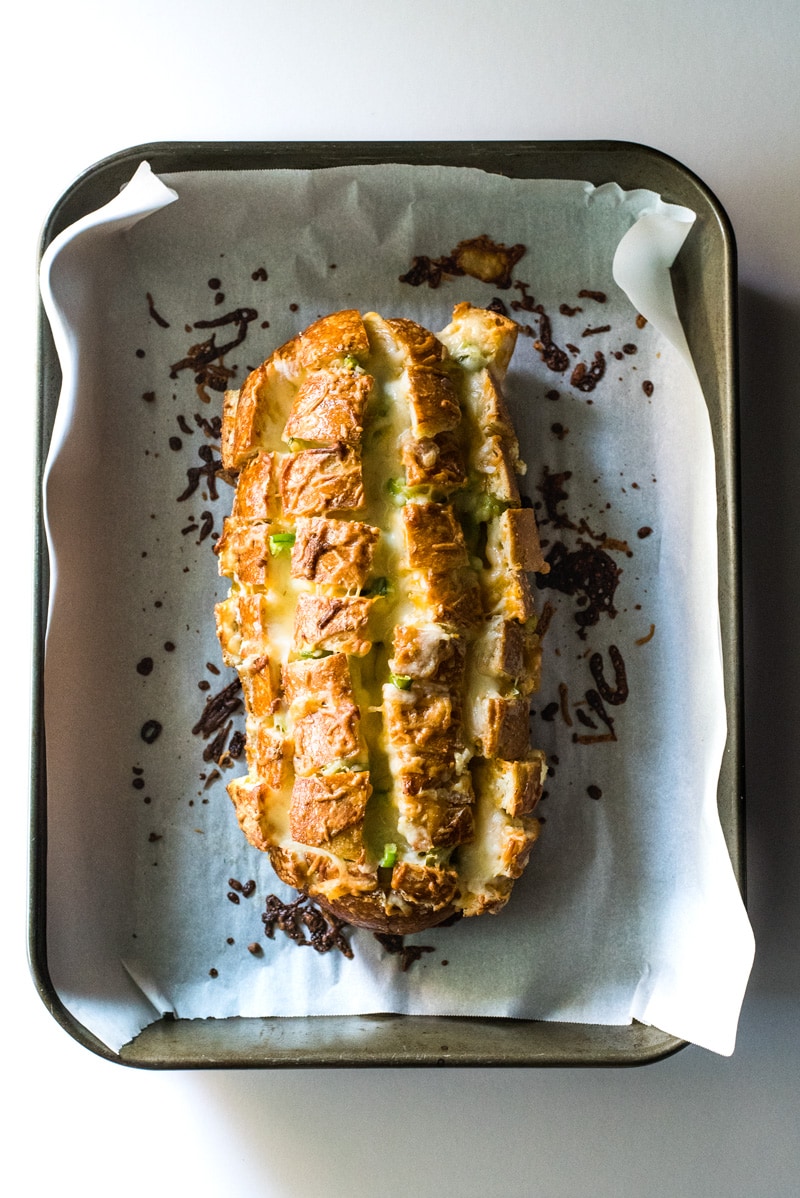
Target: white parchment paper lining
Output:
[{"x": 629, "y": 908}]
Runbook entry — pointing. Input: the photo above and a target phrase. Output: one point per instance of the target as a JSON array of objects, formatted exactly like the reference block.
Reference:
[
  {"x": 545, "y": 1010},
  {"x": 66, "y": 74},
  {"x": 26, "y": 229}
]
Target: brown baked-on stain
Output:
[
  {"x": 218, "y": 708},
  {"x": 408, "y": 953},
  {"x": 304, "y": 923},
  {"x": 480, "y": 257},
  {"x": 619, "y": 692},
  {"x": 587, "y": 572},
  {"x": 205, "y": 358},
  {"x": 552, "y": 491},
  {"x": 586, "y": 378},
  {"x": 156, "y": 316},
  {"x": 210, "y": 470},
  {"x": 551, "y": 354}
]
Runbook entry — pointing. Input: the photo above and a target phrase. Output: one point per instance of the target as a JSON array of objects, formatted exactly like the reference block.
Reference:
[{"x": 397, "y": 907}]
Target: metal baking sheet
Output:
[{"x": 704, "y": 281}]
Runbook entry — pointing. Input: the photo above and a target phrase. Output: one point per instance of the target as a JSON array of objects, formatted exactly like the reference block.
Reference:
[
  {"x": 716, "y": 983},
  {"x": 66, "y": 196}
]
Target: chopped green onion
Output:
[
  {"x": 281, "y": 541},
  {"x": 401, "y": 681},
  {"x": 398, "y": 489},
  {"x": 306, "y": 653},
  {"x": 389, "y": 856},
  {"x": 378, "y": 586},
  {"x": 345, "y": 767}
]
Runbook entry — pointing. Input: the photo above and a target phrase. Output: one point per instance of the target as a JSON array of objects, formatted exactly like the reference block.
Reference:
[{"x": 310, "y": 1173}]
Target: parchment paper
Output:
[{"x": 629, "y": 908}]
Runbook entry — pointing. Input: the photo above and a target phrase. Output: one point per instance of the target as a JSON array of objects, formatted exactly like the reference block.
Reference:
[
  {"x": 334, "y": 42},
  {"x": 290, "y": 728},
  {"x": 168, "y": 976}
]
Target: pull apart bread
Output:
[{"x": 381, "y": 619}]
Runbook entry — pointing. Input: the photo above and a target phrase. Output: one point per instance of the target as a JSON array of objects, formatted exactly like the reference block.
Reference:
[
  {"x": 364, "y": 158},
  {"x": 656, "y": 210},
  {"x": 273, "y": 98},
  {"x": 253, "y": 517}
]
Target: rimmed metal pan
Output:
[{"x": 704, "y": 277}]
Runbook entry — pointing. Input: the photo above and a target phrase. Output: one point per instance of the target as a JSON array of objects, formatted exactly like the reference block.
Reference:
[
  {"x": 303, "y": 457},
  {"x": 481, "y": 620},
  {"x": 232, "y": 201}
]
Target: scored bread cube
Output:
[
  {"x": 437, "y": 818},
  {"x": 513, "y": 786},
  {"x": 326, "y": 737},
  {"x": 243, "y": 551},
  {"x": 428, "y": 823},
  {"x": 266, "y": 751},
  {"x": 510, "y": 651},
  {"x": 331, "y": 623},
  {"x": 329, "y": 407},
  {"x": 418, "y": 346},
  {"x": 500, "y": 726},
  {"x": 493, "y": 335},
  {"x": 435, "y": 462},
  {"x": 251, "y": 801},
  {"x": 428, "y": 654},
  {"x": 513, "y": 542},
  {"x": 492, "y": 414},
  {"x": 495, "y": 465},
  {"x": 508, "y": 595},
  {"x": 421, "y": 719},
  {"x": 316, "y": 481},
  {"x": 260, "y": 686},
  {"x": 433, "y": 402},
  {"x": 433, "y": 537},
  {"x": 336, "y": 553},
  {"x": 256, "y": 490},
  {"x": 315, "y": 682},
  {"x": 332, "y": 338},
  {"x": 243, "y": 628},
  {"x": 254, "y": 417},
  {"x": 501, "y": 651},
  {"x": 325, "y": 807},
  {"x": 451, "y": 598}
]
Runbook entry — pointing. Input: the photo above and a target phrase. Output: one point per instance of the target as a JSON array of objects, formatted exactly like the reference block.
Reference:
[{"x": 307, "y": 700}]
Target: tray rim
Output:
[{"x": 112, "y": 172}]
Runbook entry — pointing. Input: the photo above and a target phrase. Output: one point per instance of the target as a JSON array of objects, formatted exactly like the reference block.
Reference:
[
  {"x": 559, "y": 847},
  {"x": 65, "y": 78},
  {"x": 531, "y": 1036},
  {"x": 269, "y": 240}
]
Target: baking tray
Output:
[{"x": 704, "y": 279}]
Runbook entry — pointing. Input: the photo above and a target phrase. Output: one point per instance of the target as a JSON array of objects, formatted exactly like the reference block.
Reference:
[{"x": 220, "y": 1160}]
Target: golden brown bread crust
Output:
[
  {"x": 381, "y": 618},
  {"x": 365, "y": 911}
]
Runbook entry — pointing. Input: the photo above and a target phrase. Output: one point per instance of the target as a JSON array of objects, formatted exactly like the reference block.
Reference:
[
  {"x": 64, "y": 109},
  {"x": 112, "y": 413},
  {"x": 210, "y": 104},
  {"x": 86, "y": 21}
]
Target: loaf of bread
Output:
[{"x": 381, "y": 617}]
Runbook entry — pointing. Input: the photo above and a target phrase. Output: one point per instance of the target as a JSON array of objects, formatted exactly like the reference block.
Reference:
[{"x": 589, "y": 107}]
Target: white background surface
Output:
[{"x": 714, "y": 86}]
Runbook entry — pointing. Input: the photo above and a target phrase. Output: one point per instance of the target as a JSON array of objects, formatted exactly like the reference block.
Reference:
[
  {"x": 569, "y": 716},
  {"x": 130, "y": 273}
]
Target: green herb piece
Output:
[
  {"x": 472, "y": 357},
  {"x": 378, "y": 586},
  {"x": 389, "y": 856},
  {"x": 345, "y": 767},
  {"x": 279, "y": 542},
  {"x": 306, "y": 653},
  {"x": 398, "y": 489},
  {"x": 489, "y": 507},
  {"x": 401, "y": 681}
]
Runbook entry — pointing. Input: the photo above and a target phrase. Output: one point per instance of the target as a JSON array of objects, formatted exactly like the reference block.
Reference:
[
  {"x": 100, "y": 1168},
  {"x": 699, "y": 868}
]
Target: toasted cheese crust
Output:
[{"x": 381, "y": 617}]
